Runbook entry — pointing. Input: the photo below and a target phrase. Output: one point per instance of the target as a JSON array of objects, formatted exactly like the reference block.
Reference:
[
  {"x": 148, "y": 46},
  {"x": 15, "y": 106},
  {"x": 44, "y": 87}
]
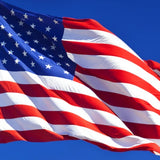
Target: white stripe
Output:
[
  {"x": 136, "y": 116},
  {"x": 55, "y": 83},
  {"x": 94, "y": 36},
  {"x": 24, "y": 124},
  {"x": 126, "y": 89},
  {"x": 33, "y": 123},
  {"x": 157, "y": 141},
  {"x": 90, "y": 115},
  {"x": 56, "y": 104},
  {"x": 112, "y": 62}
]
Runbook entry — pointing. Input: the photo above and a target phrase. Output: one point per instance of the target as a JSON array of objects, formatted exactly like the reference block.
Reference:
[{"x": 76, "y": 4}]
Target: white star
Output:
[
  {"x": 53, "y": 47},
  {"x": 48, "y": 66},
  {"x": 24, "y": 53},
  {"x": 10, "y": 52},
  {"x": 3, "y": 43},
  {"x": 26, "y": 42},
  {"x": 19, "y": 34},
  {"x": 4, "y": 17},
  {"x": 10, "y": 35},
  {"x": 44, "y": 48},
  {"x": 66, "y": 72},
  {"x": 32, "y": 49},
  {"x": 29, "y": 33},
  {"x": 41, "y": 57},
  {"x": 4, "y": 61},
  {"x": 54, "y": 38},
  {"x": 2, "y": 26},
  {"x": 33, "y": 25},
  {"x": 21, "y": 23},
  {"x": 58, "y": 63},
  {"x": 17, "y": 44},
  {"x": 16, "y": 61},
  {"x": 32, "y": 64},
  {"x": 60, "y": 56},
  {"x": 36, "y": 41},
  {"x": 48, "y": 29},
  {"x": 44, "y": 36},
  {"x": 12, "y": 12},
  {"x": 67, "y": 64},
  {"x": 40, "y": 19},
  {"x": 55, "y": 21},
  {"x": 12, "y": 25},
  {"x": 25, "y": 16},
  {"x": 50, "y": 55}
]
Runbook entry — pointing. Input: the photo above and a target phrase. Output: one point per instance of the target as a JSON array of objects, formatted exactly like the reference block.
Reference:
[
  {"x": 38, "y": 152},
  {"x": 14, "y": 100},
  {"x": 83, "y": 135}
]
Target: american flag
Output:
[{"x": 63, "y": 78}]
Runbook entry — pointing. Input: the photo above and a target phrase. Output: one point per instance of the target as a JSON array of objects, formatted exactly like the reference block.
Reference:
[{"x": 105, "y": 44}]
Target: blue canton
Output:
[{"x": 32, "y": 42}]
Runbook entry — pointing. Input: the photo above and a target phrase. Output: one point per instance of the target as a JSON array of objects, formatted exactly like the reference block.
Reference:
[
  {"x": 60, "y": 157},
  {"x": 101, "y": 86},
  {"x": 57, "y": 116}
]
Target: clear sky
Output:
[{"x": 135, "y": 22}]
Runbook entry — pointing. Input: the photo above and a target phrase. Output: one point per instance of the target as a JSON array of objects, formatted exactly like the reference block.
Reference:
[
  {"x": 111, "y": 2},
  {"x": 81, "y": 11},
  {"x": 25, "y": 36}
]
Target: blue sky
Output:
[{"x": 135, "y": 22}]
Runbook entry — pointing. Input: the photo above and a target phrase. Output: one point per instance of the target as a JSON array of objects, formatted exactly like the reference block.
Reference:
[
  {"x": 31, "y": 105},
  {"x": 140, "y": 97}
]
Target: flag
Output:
[{"x": 69, "y": 79}]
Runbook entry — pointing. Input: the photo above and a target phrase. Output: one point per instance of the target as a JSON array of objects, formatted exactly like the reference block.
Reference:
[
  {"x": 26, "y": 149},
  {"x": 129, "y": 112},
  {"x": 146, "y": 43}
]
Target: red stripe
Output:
[
  {"x": 46, "y": 136},
  {"x": 121, "y": 77},
  {"x": 60, "y": 117},
  {"x": 35, "y": 90},
  {"x": 152, "y": 64},
  {"x": 31, "y": 136},
  {"x": 83, "y": 24},
  {"x": 144, "y": 130},
  {"x": 119, "y": 100},
  {"x": 70, "y": 118},
  {"x": 104, "y": 49},
  {"x": 149, "y": 146},
  {"x": 124, "y": 101}
]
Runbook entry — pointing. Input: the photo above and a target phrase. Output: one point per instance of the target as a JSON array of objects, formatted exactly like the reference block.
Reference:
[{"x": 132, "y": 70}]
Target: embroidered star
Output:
[
  {"x": 21, "y": 23},
  {"x": 48, "y": 29},
  {"x": 41, "y": 57},
  {"x": 12, "y": 12},
  {"x": 44, "y": 48},
  {"x": 3, "y": 43},
  {"x": 48, "y": 66},
  {"x": 54, "y": 38},
  {"x": 10, "y": 35},
  {"x": 40, "y": 19},
  {"x": 55, "y": 21},
  {"x": 32, "y": 49},
  {"x": 32, "y": 64},
  {"x": 2, "y": 26},
  {"x": 19, "y": 34},
  {"x": 58, "y": 63},
  {"x": 26, "y": 42},
  {"x": 33, "y": 25},
  {"x": 50, "y": 55},
  {"x": 53, "y": 47},
  {"x": 44, "y": 36},
  {"x": 60, "y": 56},
  {"x": 4, "y": 61},
  {"x": 66, "y": 72},
  {"x": 4, "y": 17},
  {"x": 10, "y": 52},
  {"x": 29, "y": 33},
  {"x": 36, "y": 41},
  {"x": 16, "y": 61},
  {"x": 25, "y": 16},
  {"x": 12, "y": 25},
  {"x": 17, "y": 44},
  {"x": 24, "y": 53},
  {"x": 67, "y": 64}
]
